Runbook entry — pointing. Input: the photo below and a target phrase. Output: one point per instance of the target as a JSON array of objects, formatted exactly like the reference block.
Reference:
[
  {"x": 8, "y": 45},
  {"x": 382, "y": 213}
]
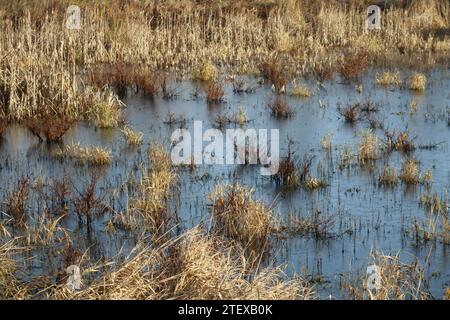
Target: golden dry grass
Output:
[
  {"x": 192, "y": 266},
  {"x": 10, "y": 286},
  {"x": 410, "y": 173},
  {"x": 368, "y": 147},
  {"x": 389, "y": 176},
  {"x": 86, "y": 155},
  {"x": 387, "y": 78},
  {"x": 417, "y": 82},
  {"x": 398, "y": 281},
  {"x": 132, "y": 137},
  {"x": 148, "y": 210},
  {"x": 236, "y": 215},
  {"x": 300, "y": 91}
]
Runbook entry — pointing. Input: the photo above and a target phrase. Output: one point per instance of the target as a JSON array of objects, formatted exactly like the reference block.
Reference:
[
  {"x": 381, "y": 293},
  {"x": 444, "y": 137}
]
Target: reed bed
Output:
[{"x": 43, "y": 59}]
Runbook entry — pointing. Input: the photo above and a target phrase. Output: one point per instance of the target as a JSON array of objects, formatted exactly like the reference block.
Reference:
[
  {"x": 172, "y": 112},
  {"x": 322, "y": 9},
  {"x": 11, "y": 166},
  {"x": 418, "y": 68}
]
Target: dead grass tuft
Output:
[
  {"x": 398, "y": 281},
  {"x": 236, "y": 215},
  {"x": 368, "y": 147},
  {"x": 132, "y": 137},
  {"x": 410, "y": 173},
  {"x": 389, "y": 176},
  {"x": 417, "y": 82},
  {"x": 90, "y": 155}
]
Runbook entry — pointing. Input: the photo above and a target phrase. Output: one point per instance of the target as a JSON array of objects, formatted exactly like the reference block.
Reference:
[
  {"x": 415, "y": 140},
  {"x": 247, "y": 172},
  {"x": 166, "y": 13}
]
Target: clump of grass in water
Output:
[
  {"x": 148, "y": 209},
  {"x": 240, "y": 117},
  {"x": 90, "y": 155},
  {"x": 368, "y": 147},
  {"x": 132, "y": 137},
  {"x": 207, "y": 72},
  {"x": 398, "y": 281},
  {"x": 103, "y": 108},
  {"x": 300, "y": 91},
  {"x": 410, "y": 171},
  {"x": 417, "y": 82},
  {"x": 387, "y": 78},
  {"x": 389, "y": 176},
  {"x": 236, "y": 215}
]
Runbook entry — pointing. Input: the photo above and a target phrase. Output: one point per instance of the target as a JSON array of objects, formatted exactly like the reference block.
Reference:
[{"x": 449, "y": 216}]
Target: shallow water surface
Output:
[{"x": 367, "y": 216}]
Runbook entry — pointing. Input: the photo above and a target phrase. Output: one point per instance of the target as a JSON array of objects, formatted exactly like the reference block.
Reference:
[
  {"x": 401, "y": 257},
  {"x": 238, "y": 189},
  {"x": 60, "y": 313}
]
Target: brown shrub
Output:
[
  {"x": 16, "y": 202},
  {"x": 3, "y": 127},
  {"x": 350, "y": 112},
  {"x": 48, "y": 128},
  {"x": 354, "y": 65},
  {"x": 214, "y": 92},
  {"x": 280, "y": 108}
]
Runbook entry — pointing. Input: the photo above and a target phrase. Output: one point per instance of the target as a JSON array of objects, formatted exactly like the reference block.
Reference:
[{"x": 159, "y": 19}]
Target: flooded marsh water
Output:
[{"x": 366, "y": 216}]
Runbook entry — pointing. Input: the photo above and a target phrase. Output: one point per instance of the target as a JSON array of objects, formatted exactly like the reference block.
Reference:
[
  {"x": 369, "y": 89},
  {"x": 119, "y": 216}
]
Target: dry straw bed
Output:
[{"x": 192, "y": 266}]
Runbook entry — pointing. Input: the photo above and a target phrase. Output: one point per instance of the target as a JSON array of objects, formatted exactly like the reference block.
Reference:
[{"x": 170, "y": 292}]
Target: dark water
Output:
[{"x": 378, "y": 217}]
